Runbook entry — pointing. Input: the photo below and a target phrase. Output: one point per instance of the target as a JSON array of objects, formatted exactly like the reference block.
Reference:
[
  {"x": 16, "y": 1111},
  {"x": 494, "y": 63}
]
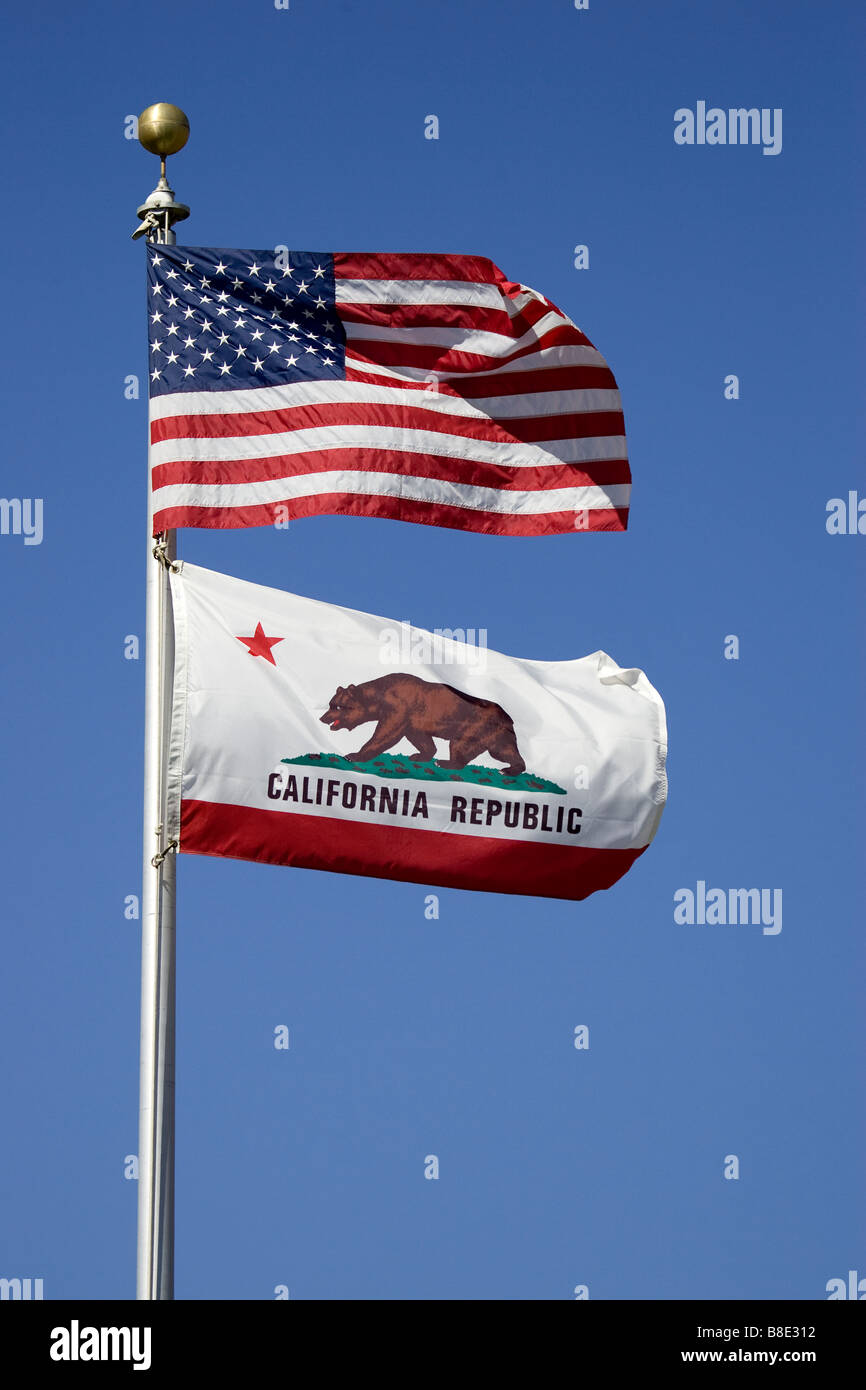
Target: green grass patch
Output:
[{"x": 390, "y": 766}]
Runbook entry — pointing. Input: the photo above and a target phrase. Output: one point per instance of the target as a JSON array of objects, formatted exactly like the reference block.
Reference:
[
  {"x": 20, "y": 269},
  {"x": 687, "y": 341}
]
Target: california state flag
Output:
[{"x": 320, "y": 737}]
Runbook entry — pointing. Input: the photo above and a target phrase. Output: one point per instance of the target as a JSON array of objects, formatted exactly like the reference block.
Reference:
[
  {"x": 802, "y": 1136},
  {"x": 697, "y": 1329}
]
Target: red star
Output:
[{"x": 260, "y": 645}]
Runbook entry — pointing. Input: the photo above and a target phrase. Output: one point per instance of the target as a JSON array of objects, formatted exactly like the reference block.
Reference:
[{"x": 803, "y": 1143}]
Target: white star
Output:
[
  {"x": 157, "y": 289},
  {"x": 223, "y": 338},
  {"x": 172, "y": 358},
  {"x": 154, "y": 376},
  {"x": 256, "y": 298},
  {"x": 287, "y": 298},
  {"x": 156, "y": 318},
  {"x": 205, "y": 283},
  {"x": 312, "y": 350},
  {"x": 156, "y": 260},
  {"x": 172, "y": 329},
  {"x": 290, "y": 361},
  {"x": 320, "y": 303},
  {"x": 293, "y": 337},
  {"x": 258, "y": 334},
  {"x": 271, "y": 285},
  {"x": 189, "y": 342},
  {"x": 188, "y": 313},
  {"x": 288, "y": 271},
  {"x": 240, "y": 323},
  {"x": 253, "y": 269},
  {"x": 222, "y": 311},
  {"x": 222, "y": 296},
  {"x": 258, "y": 363},
  {"x": 220, "y": 268},
  {"x": 327, "y": 361},
  {"x": 237, "y": 284},
  {"x": 274, "y": 347},
  {"x": 224, "y": 368},
  {"x": 156, "y": 346},
  {"x": 172, "y": 300},
  {"x": 187, "y": 265},
  {"x": 206, "y": 327},
  {"x": 189, "y": 371},
  {"x": 293, "y": 325},
  {"x": 319, "y": 271},
  {"x": 207, "y": 355},
  {"x": 328, "y": 324},
  {"x": 303, "y": 287},
  {"x": 241, "y": 351},
  {"x": 171, "y": 274}
]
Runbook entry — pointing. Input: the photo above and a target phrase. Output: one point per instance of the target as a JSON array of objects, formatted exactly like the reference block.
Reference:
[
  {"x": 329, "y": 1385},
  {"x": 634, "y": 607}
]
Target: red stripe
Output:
[
  {"x": 477, "y": 318},
  {"x": 428, "y": 356},
  {"x": 574, "y": 378},
  {"x": 394, "y": 509},
  {"x": 398, "y": 265},
  {"x": 534, "y": 310},
  {"x": 224, "y": 472},
  {"x": 526, "y": 429},
  {"x": 410, "y": 856}
]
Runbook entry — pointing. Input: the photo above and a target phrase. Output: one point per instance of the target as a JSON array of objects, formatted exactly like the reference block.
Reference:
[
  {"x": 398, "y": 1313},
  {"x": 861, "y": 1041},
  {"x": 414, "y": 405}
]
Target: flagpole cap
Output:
[{"x": 163, "y": 129}]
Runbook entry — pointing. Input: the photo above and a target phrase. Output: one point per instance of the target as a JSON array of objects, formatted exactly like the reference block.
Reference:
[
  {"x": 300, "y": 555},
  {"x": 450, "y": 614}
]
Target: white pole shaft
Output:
[{"x": 155, "y": 1259}]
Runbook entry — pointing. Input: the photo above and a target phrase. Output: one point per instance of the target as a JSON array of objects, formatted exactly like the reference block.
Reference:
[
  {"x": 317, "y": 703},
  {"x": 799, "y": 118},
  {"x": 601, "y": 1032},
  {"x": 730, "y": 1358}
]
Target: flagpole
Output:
[{"x": 163, "y": 129}]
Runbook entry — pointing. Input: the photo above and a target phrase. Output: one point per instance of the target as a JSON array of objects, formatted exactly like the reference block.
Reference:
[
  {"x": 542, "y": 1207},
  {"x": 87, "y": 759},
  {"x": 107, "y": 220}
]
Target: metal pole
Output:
[
  {"x": 163, "y": 130},
  {"x": 156, "y": 1080}
]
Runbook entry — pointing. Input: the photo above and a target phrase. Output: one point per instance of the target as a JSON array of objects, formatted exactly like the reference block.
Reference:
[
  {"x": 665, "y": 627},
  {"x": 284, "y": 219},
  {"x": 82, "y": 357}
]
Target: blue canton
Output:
[{"x": 235, "y": 320}]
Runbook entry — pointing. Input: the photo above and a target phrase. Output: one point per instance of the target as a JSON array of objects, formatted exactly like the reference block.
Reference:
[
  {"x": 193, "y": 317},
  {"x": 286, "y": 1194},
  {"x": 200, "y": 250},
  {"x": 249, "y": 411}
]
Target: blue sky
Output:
[{"x": 453, "y": 1037}]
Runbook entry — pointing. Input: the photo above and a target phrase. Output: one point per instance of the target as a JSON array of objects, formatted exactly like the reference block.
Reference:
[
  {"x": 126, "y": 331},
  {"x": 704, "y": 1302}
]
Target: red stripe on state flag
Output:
[{"x": 439, "y": 858}]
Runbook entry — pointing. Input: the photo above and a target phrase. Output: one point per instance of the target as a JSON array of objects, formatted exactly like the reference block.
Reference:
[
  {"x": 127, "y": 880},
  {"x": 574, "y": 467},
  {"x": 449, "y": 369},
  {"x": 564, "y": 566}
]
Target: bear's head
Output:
[{"x": 345, "y": 710}]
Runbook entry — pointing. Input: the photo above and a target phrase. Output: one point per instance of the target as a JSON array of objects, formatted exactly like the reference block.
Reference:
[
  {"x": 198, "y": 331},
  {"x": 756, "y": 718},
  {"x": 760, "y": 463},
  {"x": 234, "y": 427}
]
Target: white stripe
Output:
[
  {"x": 414, "y": 489},
  {"x": 544, "y": 404},
  {"x": 420, "y": 292},
  {"x": 260, "y": 399},
  {"x": 494, "y": 345},
  {"x": 507, "y": 454}
]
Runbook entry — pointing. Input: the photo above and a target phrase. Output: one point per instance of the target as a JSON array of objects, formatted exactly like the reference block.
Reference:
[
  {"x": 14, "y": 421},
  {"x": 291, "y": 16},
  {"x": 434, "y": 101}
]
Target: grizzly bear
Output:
[{"x": 407, "y": 707}]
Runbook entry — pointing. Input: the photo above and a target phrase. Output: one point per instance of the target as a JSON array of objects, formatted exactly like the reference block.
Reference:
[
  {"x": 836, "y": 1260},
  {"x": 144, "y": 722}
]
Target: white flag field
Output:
[{"x": 319, "y": 737}]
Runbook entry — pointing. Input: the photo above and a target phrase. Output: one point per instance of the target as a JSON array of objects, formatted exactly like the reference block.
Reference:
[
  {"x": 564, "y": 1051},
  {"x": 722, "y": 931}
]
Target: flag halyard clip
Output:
[
  {"x": 158, "y": 859},
  {"x": 160, "y": 553}
]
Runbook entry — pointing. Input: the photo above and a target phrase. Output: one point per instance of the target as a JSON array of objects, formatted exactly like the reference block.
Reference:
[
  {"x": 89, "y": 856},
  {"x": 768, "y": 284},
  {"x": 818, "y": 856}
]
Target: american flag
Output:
[{"x": 420, "y": 387}]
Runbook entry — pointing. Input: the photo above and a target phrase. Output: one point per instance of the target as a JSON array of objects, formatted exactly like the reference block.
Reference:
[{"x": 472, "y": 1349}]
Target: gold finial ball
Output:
[{"x": 163, "y": 129}]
